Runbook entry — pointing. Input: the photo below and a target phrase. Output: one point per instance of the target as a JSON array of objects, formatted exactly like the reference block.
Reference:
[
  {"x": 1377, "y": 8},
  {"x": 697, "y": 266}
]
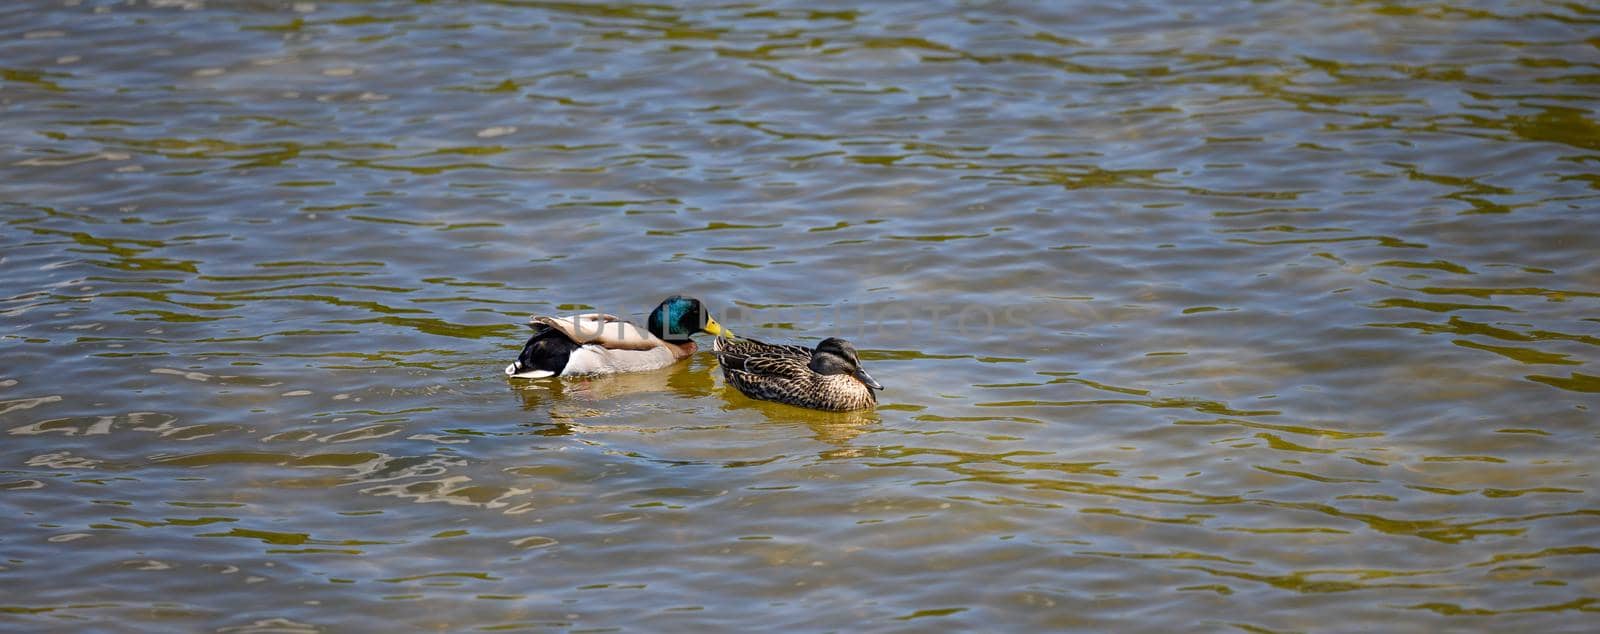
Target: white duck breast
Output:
[
  {"x": 597, "y": 343},
  {"x": 596, "y": 359}
]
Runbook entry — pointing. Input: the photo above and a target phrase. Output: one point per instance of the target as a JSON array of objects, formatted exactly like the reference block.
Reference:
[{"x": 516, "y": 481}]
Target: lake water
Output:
[{"x": 1222, "y": 317}]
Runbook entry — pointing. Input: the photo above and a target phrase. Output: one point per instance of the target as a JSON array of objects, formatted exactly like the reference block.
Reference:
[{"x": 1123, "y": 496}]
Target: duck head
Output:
[
  {"x": 679, "y": 317},
  {"x": 836, "y": 356}
]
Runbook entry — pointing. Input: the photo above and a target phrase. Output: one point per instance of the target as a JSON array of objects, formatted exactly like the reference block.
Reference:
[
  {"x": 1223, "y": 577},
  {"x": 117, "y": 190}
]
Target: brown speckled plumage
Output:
[{"x": 787, "y": 374}]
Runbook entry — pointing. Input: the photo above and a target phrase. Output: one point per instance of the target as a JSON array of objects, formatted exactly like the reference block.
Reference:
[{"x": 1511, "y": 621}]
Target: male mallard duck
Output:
[
  {"x": 597, "y": 343},
  {"x": 827, "y": 378}
]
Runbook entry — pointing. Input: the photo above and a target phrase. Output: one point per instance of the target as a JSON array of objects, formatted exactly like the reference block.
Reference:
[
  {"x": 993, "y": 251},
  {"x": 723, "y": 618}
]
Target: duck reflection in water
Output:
[
  {"x": 838, "y": 429},
  {"x": 587, "y": 396}
]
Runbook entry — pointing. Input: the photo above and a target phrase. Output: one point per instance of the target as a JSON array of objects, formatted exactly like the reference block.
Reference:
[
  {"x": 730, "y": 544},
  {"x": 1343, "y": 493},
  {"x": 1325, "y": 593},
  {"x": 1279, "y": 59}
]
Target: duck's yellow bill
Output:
[{"x": 716, "y": 329}]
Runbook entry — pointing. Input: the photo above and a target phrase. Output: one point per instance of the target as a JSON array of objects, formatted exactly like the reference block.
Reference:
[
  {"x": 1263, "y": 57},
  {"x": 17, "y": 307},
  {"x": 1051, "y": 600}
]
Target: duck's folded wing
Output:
[
  {"x": 744, "y": 348},
  {"x": 608, "y": 331},
  {"x": 764, "y": 368},
  {"x": 783, "y": 368}
]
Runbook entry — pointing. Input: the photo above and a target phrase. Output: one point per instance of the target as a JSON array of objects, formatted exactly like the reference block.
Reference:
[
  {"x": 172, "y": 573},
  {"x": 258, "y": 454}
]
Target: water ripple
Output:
[{"x": 1244, "y": 316}]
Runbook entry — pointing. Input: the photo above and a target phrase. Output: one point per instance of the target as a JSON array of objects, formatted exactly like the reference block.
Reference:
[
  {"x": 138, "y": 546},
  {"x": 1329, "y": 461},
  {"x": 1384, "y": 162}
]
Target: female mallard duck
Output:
[
  {"x": 597, "y": 343},
  {"x": 827, "y": 378}
]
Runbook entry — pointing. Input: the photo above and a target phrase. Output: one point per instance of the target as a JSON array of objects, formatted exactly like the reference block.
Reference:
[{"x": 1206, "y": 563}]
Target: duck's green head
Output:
[{"x": 679, "y": 317}]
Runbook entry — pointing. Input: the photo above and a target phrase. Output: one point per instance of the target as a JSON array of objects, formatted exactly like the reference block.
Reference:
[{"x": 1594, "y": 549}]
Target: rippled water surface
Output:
[{"x": 1233, "y": 316}]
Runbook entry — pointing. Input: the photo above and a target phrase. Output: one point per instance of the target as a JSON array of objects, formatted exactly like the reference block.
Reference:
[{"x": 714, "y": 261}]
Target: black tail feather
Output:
[{"x": 547, "y": 350}]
